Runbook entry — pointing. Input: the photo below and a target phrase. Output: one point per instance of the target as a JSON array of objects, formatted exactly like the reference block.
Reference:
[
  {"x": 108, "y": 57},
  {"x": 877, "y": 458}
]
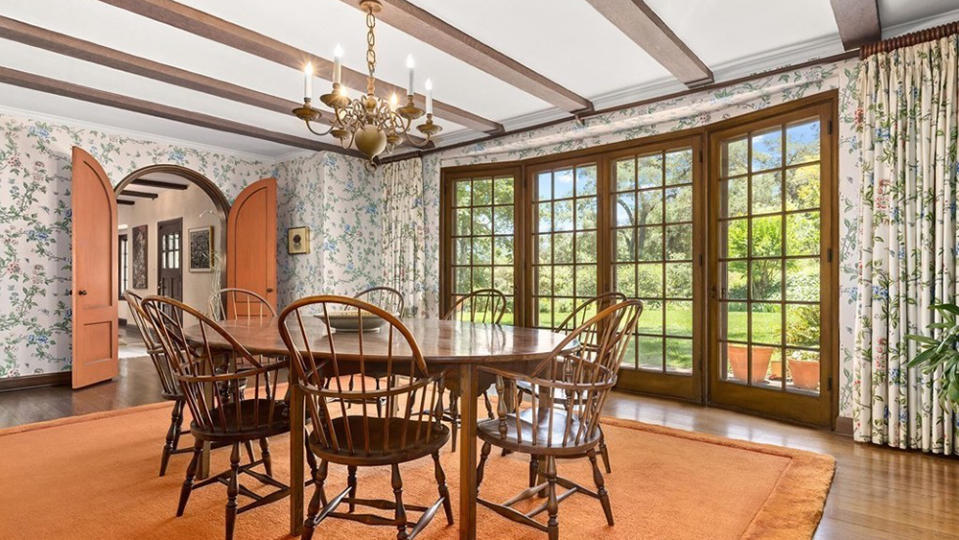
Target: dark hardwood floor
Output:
[{"x": 877, "y": 492}]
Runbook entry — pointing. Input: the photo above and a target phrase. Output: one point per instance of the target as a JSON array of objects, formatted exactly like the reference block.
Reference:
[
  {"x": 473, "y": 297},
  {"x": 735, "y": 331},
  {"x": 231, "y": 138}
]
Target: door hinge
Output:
[
  {"x": 829, "y": 254},
  {"x": 700, "y": 259},
  {"x": 829, "y": 127},
  {"x": 829, "y": 384},
  {"x": 700, "y": 156}
]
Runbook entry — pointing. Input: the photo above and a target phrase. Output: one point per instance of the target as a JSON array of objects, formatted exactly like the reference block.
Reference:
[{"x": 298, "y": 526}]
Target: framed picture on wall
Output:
[
  {"x": 139, "y": 270},
  {"x": 201, "y": 249},
  {"x": 298, "y": 240}
]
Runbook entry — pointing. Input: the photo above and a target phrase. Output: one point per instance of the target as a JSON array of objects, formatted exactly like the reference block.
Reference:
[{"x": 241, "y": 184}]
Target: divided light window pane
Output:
[
  {"x": 769, "y": 256},
  {"x": 653, "y": 255},
  {"x": 564, "y": 242},
  {"x": 483, "y": 237}
]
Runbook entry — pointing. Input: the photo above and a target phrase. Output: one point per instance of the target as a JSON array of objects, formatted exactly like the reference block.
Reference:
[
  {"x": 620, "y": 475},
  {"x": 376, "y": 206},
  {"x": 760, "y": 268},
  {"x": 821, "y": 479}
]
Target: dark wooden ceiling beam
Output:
[
  {"x": 161, "y": 184},
  {"x": 141, "y": 194},
  {"x": 430, "y": 29},
  {"x": 91, "y": 52},
  {"x": 641, "y": 24},
  {"x": 216, "y": 29},
  {"x": 110, "y": 99},
  {"x": 126, "y": 202},
  {"x": 858, "y": 22}
]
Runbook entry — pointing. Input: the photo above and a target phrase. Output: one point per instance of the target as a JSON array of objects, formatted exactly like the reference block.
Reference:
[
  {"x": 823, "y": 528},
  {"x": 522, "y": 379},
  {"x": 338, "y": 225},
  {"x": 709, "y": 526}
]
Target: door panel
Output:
[
  {"x": 95, "y": 289},
  {"x": 772, "y": 277},
  {"x": 170, "y": 258},
  {"x": 251, "y": 243},
  {"x": 656, "y": 246}
]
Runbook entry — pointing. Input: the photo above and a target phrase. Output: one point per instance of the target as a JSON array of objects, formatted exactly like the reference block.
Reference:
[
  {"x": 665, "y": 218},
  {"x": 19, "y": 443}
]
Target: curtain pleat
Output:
[
  {"x": 403, "y": 233},
  {"x": 909, "y": 241}
]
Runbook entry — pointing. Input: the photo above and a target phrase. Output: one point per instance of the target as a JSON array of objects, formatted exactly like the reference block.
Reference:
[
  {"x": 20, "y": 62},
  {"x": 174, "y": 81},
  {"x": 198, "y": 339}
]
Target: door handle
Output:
[
  {"x": 269, "y": 290},
  {"x": 82, "y": 292}
]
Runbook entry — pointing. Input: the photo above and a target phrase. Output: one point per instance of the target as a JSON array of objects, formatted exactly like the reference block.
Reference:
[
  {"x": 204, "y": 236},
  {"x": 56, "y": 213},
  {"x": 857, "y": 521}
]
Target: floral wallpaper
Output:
[
  {"x": 343, "y": 204},
  {"x": 331, "y": 193},
  {"x": 692, "y": 110},
  {"x": 337, "y": 198}
]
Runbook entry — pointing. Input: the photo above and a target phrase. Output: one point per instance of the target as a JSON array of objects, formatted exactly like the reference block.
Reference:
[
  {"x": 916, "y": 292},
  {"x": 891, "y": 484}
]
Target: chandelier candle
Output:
[
  {"x": 429, "y": 96},
  {"x": 308, "y": 81},
  {"x": 410, "y": 65},
  {"x": 337, "y": 63}
]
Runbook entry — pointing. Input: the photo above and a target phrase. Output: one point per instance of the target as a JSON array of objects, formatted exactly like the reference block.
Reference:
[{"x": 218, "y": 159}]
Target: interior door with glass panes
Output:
[
  {"x": 656, "y": 246},
  {"x": 482, "y": 253},
  {"x": 772, "y": 191},
  {"x": 564, "y": 232}
]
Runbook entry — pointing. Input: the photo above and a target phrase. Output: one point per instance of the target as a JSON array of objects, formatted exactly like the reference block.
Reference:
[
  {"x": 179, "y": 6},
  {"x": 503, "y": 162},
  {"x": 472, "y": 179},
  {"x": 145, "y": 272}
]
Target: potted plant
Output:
[
  {"x": 803, "y": 329},
  {"x": 738, "y": 356},
  {"x": 941, "y": 352}
]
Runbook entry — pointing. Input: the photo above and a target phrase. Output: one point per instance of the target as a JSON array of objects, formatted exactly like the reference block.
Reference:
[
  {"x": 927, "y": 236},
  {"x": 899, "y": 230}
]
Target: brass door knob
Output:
[{"x": 82, "y": 292}]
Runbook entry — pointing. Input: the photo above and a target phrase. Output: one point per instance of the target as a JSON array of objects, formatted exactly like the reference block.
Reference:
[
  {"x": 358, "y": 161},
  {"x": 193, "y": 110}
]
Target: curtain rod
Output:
[{"x": 908, "y": 40}]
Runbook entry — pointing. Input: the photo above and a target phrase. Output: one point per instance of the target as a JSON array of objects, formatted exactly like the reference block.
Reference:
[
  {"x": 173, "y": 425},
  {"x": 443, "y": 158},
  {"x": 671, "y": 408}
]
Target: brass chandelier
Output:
[{"x": 370, "y": 123}]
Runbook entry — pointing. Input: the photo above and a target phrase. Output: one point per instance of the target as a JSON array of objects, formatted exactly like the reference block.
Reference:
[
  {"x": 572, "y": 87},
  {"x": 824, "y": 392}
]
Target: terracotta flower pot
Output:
[
  {"x": 775, "y": 370},
  {"x": 805, "y": 373},
  {"x": 738, "y": 356}
]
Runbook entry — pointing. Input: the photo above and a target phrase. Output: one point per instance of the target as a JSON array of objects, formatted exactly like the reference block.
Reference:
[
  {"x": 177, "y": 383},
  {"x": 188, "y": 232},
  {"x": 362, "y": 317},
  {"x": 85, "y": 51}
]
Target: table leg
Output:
[
  {"x": 296, "y": 460},
  {"x": 467, "y": 448}
]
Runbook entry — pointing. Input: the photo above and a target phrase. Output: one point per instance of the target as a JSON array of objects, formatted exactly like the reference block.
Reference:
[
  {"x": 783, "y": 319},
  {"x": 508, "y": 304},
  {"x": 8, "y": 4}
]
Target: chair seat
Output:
[
  {"x": 251, "y": 425},
  {"x": 489, "y": 431},
  {"x": 386, "y": 442}
]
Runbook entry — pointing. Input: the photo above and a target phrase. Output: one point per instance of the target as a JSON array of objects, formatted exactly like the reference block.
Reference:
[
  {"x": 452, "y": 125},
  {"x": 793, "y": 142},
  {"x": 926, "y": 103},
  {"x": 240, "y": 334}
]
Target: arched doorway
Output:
[{"x": 172, "y": 240}]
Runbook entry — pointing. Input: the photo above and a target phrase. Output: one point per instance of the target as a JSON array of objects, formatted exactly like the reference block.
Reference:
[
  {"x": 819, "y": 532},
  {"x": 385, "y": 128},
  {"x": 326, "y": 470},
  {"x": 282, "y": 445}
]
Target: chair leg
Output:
[
  {"x": 454, "y": 415},
  {"x": 178, "y": 430},
  {"x": 171, "y": 436},
  {"x": 249, "y": 450},
  {"x": 190, "y": 473},
  {"x": 232, "y": 489},
  {"x": 319, "y": 496},
  {"x": 441, "y": 485},
  {"x": 600, "y": 487},
  {"x": 484, "y": 455},
  {"x": 397, "y": 482},
  {"x": 603, "y": 451},
  {"x": 265, "y": 452},
  {"x": 533, "y": 469},
  {"x": 552, "y": 505},
  {"x": 351, "y": 481},
  {"x": 310, "y": 458}
]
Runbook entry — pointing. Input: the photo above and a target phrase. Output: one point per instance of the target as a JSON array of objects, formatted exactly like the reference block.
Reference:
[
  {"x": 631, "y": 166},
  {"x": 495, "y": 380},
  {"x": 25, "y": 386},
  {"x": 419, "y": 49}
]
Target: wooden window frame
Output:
[{"x": 707, "y": 135}]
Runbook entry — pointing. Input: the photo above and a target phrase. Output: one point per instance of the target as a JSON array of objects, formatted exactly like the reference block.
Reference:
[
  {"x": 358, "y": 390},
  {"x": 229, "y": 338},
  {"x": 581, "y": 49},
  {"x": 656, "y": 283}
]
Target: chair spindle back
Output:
[
  {"x": 570, "y": 387},
  {"x": 387, "y": 298},
  {"x": 144, "y": 324},
  {"x": 321, "y": 356},
  {"x": 234, "y": 303},
  {"x": 226, "y": 393},
  {"x": 479, "y": 306}
]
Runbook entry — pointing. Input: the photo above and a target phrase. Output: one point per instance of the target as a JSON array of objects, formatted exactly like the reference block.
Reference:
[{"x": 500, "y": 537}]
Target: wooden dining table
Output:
[{"x": 457, "y": 347}]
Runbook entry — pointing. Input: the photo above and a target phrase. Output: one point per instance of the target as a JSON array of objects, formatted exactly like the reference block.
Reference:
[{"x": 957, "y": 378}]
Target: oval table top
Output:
[{"x": 441, "y": 341}]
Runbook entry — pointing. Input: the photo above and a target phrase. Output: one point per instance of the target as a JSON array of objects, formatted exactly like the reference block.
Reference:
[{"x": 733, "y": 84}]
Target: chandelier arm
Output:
[
  {"x": 315, "y": 132},
  {"x": 412, "y": 142}
]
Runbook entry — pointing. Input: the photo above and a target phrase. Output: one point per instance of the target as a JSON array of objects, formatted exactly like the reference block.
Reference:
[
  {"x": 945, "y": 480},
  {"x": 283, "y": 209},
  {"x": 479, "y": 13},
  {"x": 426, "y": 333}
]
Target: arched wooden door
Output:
[
  {"x": 95, "y": 294},
  {"x": 251, "y": 242}
]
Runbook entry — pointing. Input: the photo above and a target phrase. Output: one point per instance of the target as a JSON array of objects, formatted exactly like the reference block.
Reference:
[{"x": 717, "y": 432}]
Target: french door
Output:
[
  {"x": 656, "y": 244},
  {"x": 170, "y": 258},
  {"x": 772, "y": 306}
]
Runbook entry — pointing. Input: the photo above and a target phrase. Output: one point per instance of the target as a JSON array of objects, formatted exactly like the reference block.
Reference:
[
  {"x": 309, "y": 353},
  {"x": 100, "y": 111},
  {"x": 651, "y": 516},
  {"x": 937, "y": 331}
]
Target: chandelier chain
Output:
[{"x": 370, "y": 50}]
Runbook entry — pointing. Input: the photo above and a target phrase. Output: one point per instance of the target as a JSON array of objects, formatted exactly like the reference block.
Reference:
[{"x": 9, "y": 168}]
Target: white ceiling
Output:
[{"x": 566, "y": 41}]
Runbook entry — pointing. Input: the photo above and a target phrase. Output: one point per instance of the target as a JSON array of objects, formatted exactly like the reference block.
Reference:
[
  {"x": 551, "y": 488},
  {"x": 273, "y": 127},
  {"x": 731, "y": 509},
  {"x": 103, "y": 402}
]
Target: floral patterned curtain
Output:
[
  {"x": 908, "y": 235},
  {"x": 404, "y": 239}
]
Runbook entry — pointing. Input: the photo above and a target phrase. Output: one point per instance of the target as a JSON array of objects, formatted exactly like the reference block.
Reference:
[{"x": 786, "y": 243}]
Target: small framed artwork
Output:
[
  {"x": 201, "y": 249},
  {"x": 298, "y": 240},
  {"x": 140, "y": 257}
]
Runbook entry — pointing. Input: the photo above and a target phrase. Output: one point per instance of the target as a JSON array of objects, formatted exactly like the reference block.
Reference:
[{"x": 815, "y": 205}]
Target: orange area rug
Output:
[{"x": 95, "y": 476}]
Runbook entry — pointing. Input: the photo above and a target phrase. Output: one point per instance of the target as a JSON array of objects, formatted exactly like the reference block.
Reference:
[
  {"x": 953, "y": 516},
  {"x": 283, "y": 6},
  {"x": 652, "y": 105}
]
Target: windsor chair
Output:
[
  {"x": 231, "y": 404},
  {"x": 407, "y": 429},
  {"x": 574, "y": 320},
  {"x": 169, "y": 387},
  {"x": 561, "y": 418},
  {"x": 480, "y": 306}
]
